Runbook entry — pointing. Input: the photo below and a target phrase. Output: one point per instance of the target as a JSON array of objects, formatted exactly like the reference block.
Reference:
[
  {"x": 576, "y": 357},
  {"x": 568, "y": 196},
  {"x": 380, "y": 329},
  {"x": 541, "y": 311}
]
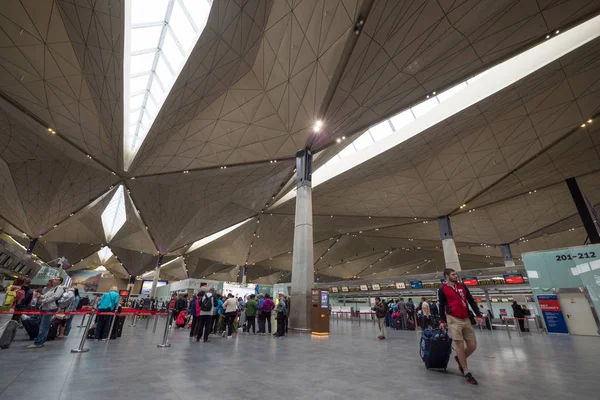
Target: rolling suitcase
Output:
[
  {"x": 53, "y": 331},
  {"x": 118, "y": 328},
  {"x": 9, "y": 335},
  {"x": 435, "y": 348},
  {"x": 397, "y": 323},
  {"x": 410, "y": 325}
]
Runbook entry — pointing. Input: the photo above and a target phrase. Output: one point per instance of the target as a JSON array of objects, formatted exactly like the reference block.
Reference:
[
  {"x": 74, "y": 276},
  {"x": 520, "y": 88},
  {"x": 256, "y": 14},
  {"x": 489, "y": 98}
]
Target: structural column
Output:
[
  {"x": 507, "y": 255},
  {"x": 32, "y": 243},
  {"x": 586, "y": 210},
  {"x": 302, "y": 264},
  {"x": 450, "y": 253},
  {"x": 156, "y": 275}
]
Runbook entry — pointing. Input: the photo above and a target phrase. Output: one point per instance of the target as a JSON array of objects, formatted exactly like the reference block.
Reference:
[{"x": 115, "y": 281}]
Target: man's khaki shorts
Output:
[{"x": 460, "y": 329}]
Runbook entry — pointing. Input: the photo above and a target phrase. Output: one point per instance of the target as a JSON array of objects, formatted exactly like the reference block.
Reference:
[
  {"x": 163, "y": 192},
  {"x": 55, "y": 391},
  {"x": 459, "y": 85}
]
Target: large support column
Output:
[
  {"x": 156, "y": 275},
  {"x": 586, "y": 210},
  {"x": 302, "y": 264},
  {"x": 450, "y": 253},
  {"x": 507, "y": 255}
]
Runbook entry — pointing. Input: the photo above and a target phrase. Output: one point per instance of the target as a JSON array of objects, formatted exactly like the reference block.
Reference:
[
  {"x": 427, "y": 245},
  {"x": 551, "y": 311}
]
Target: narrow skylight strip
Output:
[
  {"x": 204, "y": 241},
  {"x": 437, "y": 108},
  {"x": 114, "y": 215},
  {"x": 159, "y": 38}
]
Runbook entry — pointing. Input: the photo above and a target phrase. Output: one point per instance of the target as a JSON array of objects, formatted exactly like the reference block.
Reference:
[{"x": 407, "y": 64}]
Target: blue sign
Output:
[
  {"x": 416, "y": 284},
  {"x": 550, "y": 306}
]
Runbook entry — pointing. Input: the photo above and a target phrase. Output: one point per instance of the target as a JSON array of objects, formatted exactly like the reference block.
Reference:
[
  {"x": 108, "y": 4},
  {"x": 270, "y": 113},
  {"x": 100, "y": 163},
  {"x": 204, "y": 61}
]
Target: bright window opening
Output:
[
  {"x": 159, "y": 37},
  {"x": 104, "y": 254},
  {"x": 204, "y": 241},
  {"x": 114, "y": 216},
  {"x": 434, "y": 109}
]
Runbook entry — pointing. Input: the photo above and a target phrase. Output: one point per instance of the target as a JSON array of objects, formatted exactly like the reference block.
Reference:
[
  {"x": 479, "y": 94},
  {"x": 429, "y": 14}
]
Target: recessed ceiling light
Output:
[
  {"x": 589, "y": 121},
  {"x": 557, "y": 32},
  {"x": 318, "y": 125},
  {"x": 583, "y": 125},
  {"x": 547, "y": 36},
  {"x": 338, "y": 140}
]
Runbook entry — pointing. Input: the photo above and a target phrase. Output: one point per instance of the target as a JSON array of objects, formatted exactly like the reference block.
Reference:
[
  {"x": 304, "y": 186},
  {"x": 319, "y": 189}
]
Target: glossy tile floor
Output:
[{"x": 350, "y": 364}]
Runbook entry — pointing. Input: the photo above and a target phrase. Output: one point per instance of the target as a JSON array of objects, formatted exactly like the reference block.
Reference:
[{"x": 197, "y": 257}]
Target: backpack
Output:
[
  {"x": 65, "y": 300},
  {"x": 26, "y": 300},
  {"x": 11, "y": 296},
  {"x": 207, "y": 303}
]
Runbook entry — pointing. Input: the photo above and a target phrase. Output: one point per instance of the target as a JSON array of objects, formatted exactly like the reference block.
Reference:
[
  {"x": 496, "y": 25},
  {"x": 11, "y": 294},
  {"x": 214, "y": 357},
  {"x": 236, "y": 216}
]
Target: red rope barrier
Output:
[{"x": 87, "y": 312}]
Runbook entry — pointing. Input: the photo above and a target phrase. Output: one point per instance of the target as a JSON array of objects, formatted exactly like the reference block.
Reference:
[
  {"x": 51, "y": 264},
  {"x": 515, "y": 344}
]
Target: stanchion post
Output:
[
  {"x": 134, "y": 321},
  {"x": 112, "y": 325},
  {"x": 518, "y": 326},
  {"x": 166, "y": 334},
  {"x": 82, "y": 321},
  {"x": 507, "y": 330},
  {"x": 147, "y": 321},
  {"x": 81, "y": 349},
  {"x": 155, "y": 323}
]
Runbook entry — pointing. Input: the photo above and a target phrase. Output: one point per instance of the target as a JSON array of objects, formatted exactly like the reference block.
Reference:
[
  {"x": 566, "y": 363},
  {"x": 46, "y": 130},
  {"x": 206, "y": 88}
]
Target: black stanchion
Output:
[
  {"x": 81, "y": 325},
  {"x": 81, "y": 349},
  {"x": 112, "y": 325}
]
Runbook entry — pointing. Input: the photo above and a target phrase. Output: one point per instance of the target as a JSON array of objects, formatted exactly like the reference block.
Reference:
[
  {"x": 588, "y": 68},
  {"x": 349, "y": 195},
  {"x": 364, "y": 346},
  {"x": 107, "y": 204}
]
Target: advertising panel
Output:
[{"x": 550, "y": 307}]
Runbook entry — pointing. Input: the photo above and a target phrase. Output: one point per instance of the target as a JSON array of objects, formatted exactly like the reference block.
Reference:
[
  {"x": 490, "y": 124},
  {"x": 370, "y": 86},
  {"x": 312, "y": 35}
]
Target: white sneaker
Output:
[
  {"x": 35, "y": 346},
  {"x": 229, "y": 337}
]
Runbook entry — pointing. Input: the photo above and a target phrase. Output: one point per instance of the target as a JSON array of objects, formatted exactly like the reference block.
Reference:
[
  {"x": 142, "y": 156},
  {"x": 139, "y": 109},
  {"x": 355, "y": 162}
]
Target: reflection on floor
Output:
[{"x": 350, "y": 364}]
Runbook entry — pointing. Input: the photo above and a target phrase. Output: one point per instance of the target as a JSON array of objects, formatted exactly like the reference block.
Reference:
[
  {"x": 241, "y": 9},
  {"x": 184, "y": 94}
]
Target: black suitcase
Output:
[
  {"x": 9, "y": 334},
  {"x": 53, "y": 331},
  {"x": 435, "y": 348},
  {"x": 32, "y": 326},
  {"x": 118, "y": 328}
]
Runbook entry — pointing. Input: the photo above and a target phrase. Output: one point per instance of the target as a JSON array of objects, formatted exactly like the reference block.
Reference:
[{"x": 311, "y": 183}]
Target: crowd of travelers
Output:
[{"x": 208, "y": 313}]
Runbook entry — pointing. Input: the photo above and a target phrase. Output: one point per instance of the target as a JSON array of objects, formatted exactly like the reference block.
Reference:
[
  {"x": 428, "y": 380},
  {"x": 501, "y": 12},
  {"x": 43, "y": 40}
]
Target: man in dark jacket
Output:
[{"x": 454, "y": 299}]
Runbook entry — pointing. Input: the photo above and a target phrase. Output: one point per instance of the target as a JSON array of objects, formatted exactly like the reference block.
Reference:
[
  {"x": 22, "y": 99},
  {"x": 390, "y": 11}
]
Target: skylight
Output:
[
  {"x": 104, "y": 254},
  {"x": 114, "y": 216},
  {"x": 204, "y": 241},
  {"x": 159, "y": 37},
  {"x": 436, "y": 107}
]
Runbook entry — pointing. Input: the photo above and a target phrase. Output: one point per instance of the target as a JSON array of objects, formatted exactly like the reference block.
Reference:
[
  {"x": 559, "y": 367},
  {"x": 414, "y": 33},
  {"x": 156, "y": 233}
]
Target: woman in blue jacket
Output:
[{"x": 108, "y": 303}]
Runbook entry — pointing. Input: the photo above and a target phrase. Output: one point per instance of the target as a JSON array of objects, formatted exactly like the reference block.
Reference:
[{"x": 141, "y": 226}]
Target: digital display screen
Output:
[
  {"x": 364, "y": 288},
  {"x": 376, "y": 286},
  {"x": 147, "y": 286},
  {"x": 416, "y": 284},
  {"x": 513, "y": 279},
  {"x": 437, "y": 284},
  {"x": 125, "y": 293},
  {"x": 400, "y": 285},
  {"x": 470, "y": 282},
  {"x": 498, "y": 281},
  {"x": 428, "y": 285},
  {"x": 484, "y": 281},
  {"x": 324, "y": 299},
  {"x": 334, "y": 290},
  {"x": 344, "y": 288}
]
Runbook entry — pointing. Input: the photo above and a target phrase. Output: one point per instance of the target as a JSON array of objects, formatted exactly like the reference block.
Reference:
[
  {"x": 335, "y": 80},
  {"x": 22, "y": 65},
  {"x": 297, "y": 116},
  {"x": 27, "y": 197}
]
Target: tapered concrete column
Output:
[
  {"x": 156, "y": 274},
  {"x": 507, "y": 255},
  {"x": 302, "y": 264},
  {"x": 450, "y": 253}
]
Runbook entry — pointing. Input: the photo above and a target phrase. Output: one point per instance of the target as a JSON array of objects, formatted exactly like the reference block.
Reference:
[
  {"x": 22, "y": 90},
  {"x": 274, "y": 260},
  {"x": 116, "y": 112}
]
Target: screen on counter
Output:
[
  {"x": 147, "y": 286},
  {"x": 344, "y": 288},
  {"x": 324, "y": 299},
  {"x": 513, "y": 279},
  {"x": 470, "y": 282},
  {"x": 416, "y": 284},
  {"x": 376, "y": 286},
  {"x": 400, "y": 285}
]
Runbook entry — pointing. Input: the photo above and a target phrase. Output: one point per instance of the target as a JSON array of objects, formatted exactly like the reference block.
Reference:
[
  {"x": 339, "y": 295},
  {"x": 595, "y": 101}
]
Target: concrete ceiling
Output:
[{"x": 261, "y": 74}]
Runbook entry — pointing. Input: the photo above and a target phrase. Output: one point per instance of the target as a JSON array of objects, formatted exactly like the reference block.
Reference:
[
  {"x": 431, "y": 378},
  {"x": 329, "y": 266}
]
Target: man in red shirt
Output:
[{"x": 454, "y": 316}]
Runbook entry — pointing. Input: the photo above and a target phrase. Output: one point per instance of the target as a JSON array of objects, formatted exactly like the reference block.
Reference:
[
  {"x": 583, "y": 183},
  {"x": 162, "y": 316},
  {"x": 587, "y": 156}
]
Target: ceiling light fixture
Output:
[{"x": 318, "y": 125}]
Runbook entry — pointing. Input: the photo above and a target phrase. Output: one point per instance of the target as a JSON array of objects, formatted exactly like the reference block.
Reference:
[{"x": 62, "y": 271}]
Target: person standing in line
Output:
[
  {"x": 281, "y": 310},
  {"x": 206, "y": 303},
  {"x": 251, "y": 309},
  {"x": 72, "y": 308},
  {"x": 108, "y": 304},
  {"x": 49, "y": 304},
  {"x": 180, "y": 305},
  {"x": 195, "y": 312},
  {"x": 380, "y": 313},
  {"x": 402, "y": 311},
  {"x": 230, "y": 307},
  {"x": 265, "y": 309},
  {"x": 519, "y": 314},
  {"x": 426, "y": 310},
  {"x": 218, "y": 313},
  {"x": 454, "y": 299},
  {"x": 410, "y": 309}
]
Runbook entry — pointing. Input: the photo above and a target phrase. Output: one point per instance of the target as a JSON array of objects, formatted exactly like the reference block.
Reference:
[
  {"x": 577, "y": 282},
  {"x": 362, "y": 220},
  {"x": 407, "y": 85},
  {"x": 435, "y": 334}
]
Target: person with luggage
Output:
[
  {"x": 108, "y": 304},
  {"x": 206, "y": 303},
  {"x": 265, "y": 309},
  {"x": 8, "y": 327},
  {"x": 49, "y": 303},
  {"x": 63, "y": 319},
  {"x": 380, "y": 313},
  {"x": 180, "y": 305},
  {"x": 454, "y": 300},
  {"x": 519, "y": 314},
  {"x": 74, "y": 307},
  {"x": 402, "y": 310}
]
